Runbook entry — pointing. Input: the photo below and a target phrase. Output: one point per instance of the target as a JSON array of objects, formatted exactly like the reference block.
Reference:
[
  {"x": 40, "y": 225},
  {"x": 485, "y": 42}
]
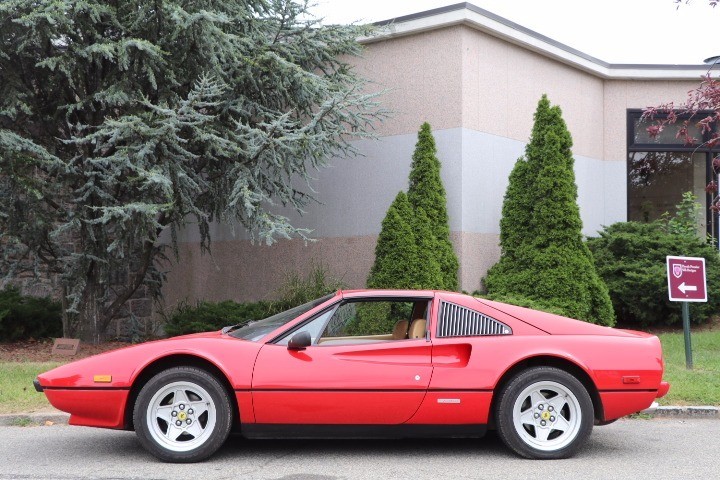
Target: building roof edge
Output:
[{"x": 466, "y": 13}]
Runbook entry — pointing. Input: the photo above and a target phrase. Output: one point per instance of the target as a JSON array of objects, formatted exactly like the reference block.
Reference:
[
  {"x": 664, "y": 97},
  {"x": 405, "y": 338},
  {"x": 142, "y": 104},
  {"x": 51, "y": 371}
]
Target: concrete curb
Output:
[
  {"x": 686, "y": 412},
  {"x": 61, "y": 418},
  {"x": 33, "y": 419}
]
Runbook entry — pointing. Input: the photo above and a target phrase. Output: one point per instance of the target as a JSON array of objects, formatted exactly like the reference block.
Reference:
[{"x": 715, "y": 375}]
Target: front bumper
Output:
[
  {"x": 663, "y": 389},
  {"x": 92, "y": 407},
  {"x": 38, "y": 387}
]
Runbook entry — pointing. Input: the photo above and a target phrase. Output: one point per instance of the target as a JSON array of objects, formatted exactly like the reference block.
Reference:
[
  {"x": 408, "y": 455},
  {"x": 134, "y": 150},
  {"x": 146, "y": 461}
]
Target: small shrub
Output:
[
  {"x": 23, "y": 317},
  {"x": 297, "y": 289},
  {"x": 686, "y": 217},
  {"x": 630, "y": 257}
]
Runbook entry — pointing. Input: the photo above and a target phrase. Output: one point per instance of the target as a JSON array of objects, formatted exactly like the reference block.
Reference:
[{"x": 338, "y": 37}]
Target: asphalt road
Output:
[{"x": 628, "y": 449}]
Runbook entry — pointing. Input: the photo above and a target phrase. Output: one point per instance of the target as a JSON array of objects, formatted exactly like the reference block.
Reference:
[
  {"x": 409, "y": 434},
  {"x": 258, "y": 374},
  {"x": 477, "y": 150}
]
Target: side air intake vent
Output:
[{"x": 457, "y": 321}]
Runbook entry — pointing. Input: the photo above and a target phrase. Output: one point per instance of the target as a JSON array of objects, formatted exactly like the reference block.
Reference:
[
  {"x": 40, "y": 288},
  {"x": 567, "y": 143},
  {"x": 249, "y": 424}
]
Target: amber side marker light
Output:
[
  {"x": 634, "y": 380},
  {"x": 102, "y": 378}
]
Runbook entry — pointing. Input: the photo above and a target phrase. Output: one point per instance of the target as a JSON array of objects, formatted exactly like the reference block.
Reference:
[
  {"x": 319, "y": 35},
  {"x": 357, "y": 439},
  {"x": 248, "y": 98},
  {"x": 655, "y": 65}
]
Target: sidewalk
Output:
[{"x": 56, "y": 417}]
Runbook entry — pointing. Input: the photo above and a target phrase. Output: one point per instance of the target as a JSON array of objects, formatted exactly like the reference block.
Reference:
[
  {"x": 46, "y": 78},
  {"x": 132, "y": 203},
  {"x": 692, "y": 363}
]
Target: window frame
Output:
[
  {"x": 343, "y": 301},
  {"x": 633, "y": 115}
]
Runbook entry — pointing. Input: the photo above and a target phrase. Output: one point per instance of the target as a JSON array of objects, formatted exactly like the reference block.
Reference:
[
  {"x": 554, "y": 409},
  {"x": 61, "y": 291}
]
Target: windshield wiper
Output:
[{"x": 230, "y": 328}]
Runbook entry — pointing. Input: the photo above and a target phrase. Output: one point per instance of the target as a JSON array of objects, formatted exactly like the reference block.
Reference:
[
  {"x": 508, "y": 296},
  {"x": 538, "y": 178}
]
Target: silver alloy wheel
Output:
[
  {"x": 547, "y": 416},
  {"x": 181, "y": 416}
]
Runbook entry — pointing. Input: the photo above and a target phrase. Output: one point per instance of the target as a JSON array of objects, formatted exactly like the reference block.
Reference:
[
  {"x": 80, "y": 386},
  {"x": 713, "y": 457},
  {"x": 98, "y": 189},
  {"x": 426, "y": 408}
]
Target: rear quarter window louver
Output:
[{"x": 457, "y": 321}]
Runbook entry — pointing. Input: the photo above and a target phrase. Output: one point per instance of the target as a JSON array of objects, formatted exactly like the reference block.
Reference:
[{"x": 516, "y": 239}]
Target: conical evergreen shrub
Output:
[
  {"x": 543, "y": 257},
  {"x": 426, "y": 192},
  {"x": 396, "y": 257},
  {"x": 428, "y": 271}
]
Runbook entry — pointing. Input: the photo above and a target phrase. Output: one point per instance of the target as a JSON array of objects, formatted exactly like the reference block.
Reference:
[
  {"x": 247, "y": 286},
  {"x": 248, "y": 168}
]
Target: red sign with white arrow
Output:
[{"x": 686, "y": 279}]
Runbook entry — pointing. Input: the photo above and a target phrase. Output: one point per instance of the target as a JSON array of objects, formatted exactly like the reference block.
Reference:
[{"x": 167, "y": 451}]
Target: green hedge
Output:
[
  {"x": 208, "y": 316},
  {"x": 23, "y": 317},
  {"x": 630, "y": 258}
]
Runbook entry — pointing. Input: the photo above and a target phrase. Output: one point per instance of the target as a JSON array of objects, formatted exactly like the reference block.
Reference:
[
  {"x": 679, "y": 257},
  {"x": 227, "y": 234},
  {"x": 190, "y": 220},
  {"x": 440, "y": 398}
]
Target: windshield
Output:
[{"x": 255, "y": 330}]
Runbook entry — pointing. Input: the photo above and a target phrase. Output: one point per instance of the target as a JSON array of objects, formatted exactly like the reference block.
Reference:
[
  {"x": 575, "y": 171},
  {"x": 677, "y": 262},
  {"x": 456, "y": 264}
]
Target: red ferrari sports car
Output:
[{"x": 366, "y": 364}]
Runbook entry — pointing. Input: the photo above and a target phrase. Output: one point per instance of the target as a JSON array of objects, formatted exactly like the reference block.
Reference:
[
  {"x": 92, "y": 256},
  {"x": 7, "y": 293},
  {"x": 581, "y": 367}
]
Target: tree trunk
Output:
[
  {"x": 66, "y": 327},
  {"x": 91, "y": 324}
]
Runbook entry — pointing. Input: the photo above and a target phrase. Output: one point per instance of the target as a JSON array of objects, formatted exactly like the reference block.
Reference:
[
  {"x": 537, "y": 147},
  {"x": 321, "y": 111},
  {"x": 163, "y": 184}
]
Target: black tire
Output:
[
  {"x": 182, "y": 415},
  {"x": 544, "y": 413}
]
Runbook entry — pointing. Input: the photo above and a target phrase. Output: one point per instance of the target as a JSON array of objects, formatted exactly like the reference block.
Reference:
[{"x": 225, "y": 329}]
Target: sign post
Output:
[
  {"x": 686, "y": 334},
  {"x": 686, "y": 283}
]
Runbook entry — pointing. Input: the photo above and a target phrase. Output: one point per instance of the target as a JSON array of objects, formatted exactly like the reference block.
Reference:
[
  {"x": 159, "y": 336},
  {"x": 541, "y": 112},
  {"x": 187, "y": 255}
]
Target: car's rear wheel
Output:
[
  {"x": 544, "y": 413},
  {"x": 182, "y": 414}
]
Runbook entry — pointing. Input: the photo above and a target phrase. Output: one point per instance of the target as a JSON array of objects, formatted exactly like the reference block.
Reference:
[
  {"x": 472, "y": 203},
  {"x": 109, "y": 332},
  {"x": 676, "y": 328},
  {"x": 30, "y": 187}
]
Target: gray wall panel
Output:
[
  {"x": 615, "y": 192},
  {"x": 355, "y": 193},
  {"x": 487, "y": 162}
]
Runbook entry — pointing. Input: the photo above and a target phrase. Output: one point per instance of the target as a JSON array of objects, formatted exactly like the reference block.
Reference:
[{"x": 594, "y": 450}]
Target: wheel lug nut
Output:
[
  {"x": 182, "y": 406},
  {"x": 178, "y": 423},
  {"x": 552, "y": 419},
  {"x": 551, "y": 408},
  {"x": 188, "y": 421},
  {"x": 541, "y": 407},
  {"x": 536, "y": 415},
  {"x": 174, "y": 413},
  {"x": 190, "y": 411},
  {"x": 543, "y": 423}
]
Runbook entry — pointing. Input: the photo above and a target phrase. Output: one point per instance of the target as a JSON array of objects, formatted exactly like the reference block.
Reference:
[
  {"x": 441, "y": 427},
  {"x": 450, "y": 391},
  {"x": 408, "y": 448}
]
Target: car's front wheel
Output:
[
  {"x": 544, "y": 413},
  {"x": 182, "y": 414}
]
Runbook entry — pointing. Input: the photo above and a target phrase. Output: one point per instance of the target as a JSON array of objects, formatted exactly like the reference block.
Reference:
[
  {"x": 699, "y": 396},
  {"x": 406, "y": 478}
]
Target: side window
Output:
[
  {"x": 313, "y": 327},
  {"x": 342, "y": 321},
  {"x": 457, "y": 321},
  {"x": 367, "y": 321}
]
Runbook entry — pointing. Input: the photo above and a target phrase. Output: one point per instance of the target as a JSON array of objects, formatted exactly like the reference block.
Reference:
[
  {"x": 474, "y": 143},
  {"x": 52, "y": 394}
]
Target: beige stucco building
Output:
[{"x": 476, "y": 78}]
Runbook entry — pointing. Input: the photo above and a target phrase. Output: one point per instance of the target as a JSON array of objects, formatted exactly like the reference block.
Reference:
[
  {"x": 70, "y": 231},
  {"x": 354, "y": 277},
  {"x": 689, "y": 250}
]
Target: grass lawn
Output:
[
  {"x": 17, "y": 394},
  {"x": 701, "y": 385}
]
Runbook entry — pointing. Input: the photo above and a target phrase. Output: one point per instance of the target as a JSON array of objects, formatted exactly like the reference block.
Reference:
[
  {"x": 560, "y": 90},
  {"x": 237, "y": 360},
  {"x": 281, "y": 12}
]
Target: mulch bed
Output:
[{"x": 39, "y": 351}]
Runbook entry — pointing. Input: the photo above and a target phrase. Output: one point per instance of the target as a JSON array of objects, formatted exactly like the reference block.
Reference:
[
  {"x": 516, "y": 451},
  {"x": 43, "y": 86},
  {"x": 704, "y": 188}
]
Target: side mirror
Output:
[{"x": 299, "y": 341}]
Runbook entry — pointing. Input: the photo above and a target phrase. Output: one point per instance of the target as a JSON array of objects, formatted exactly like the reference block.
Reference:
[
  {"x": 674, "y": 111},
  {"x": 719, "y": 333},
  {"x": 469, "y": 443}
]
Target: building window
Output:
[{"x": 661, "y": 169}]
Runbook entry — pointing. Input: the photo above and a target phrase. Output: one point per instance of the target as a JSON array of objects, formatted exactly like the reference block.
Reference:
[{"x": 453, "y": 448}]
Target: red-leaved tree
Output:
[{"x": 702, "y": 108}]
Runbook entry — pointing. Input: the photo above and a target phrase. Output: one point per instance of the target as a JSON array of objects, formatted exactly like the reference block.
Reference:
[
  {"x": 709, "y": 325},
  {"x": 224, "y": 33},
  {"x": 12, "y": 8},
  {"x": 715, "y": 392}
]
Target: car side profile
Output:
[{"x": 370, "y": 363}]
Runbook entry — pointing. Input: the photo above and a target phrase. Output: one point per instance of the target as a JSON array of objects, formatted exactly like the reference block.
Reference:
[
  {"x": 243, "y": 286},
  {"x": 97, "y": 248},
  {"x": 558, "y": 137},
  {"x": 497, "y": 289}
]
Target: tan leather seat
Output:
[
  {"x": 419, "y": 310},
  {"x": 417, "y": 328},
  {"x": 400, "y": 332}
]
